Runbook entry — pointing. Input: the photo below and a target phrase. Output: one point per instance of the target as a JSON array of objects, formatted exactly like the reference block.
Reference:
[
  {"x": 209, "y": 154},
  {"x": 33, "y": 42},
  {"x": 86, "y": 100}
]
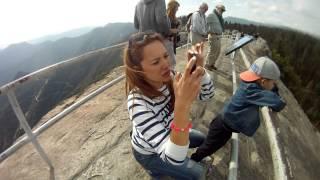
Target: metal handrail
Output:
[
  {"x": 233, "y": 164},
  {"x": 280, "y": 172},
  {"x": 14, "y": 84},
  {"x": 55, "y": 119},
  {"x": 9, "y": 88}
]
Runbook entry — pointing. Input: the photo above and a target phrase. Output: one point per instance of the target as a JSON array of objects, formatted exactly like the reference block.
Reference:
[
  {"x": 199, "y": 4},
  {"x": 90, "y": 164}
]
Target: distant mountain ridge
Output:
[
  {"x": 235, "y": 20},
  {"x": 231, "y": 19},
  {"x": 28, "y": 58},
  {"x": 39, "y": 95},
  {"x": 67, "y": 34}
]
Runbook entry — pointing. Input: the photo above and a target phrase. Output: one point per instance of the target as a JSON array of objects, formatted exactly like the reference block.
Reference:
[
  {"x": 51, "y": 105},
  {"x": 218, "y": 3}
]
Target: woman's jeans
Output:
[{"x": 157, "y": 168}]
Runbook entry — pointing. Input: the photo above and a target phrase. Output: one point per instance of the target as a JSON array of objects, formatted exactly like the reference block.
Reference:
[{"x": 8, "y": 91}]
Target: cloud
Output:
[
  {"x": 299, "y": 14},
  {"x": 273, "y": 8},
  {"x": 24, "y": 20}
]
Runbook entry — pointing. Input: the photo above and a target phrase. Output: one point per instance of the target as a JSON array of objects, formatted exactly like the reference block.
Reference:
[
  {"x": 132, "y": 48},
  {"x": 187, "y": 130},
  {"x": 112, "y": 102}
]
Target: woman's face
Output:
[{"x": 155, "y": 64}]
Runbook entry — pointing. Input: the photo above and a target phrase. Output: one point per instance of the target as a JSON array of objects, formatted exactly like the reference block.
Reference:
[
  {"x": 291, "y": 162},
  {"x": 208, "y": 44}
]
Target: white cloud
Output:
[
  {"x": 25, "y": 20},
  {"x": 301, "y": 14},
  {"x": 273, "y": 8}
]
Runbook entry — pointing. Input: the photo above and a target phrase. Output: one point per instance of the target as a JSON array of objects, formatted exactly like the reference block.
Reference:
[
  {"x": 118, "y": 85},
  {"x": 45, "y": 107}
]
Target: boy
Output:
[{"x": 241, "y": 114}]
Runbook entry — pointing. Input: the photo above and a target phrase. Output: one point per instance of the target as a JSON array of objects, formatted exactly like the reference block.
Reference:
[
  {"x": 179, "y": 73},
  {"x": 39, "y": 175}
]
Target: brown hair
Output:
[
  {"x": 171, "y": 9},
  {"x": 133, "y": 55}
]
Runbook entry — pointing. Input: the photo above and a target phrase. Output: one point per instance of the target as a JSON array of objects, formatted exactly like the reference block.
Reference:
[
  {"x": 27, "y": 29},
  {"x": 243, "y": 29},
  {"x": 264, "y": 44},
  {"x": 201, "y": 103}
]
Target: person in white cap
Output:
[
  {"x": 241, "y": 114},
  {"x": 215, "y": 27}
]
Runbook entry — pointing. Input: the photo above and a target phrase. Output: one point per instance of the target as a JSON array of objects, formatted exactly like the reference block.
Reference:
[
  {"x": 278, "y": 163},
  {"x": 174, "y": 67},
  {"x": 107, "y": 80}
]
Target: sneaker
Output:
[
  {"x": 207, "y": 66},
  {"x": 210, "y": 68},
  {"x": 207, "y": 163},
  {"x": 213, "y": 67}
]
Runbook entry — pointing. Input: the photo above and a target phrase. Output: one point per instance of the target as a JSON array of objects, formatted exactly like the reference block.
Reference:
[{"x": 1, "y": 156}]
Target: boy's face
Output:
[{"x": 267, "y": 84}]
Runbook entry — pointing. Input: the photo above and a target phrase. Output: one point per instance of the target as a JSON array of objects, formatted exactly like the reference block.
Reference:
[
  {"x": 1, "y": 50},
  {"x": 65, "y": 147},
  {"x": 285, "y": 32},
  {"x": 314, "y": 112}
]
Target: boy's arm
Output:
[{"x": 267, "y": 98}]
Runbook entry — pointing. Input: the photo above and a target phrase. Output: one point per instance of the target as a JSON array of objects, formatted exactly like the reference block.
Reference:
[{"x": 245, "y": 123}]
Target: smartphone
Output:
[{"x": 195, "y": 64}]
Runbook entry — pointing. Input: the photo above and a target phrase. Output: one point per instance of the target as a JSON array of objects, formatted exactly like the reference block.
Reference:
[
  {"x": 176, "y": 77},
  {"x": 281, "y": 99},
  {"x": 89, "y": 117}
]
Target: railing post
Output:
[
  {"x": 188, "y": 39},
  {"x": 55, "y": 119},
  {"x": 233, "y": 165},
  {"x": 23, "y": 122},
  {"x": 278, "y": 163}
]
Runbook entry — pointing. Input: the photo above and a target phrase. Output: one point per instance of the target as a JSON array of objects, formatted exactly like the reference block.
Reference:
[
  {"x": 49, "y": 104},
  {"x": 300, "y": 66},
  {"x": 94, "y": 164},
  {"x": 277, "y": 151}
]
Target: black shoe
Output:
[
  {"x": 207, "y": 164},
  {"x": 210, "y": 68},
  {"x": 213, "y": 67}
]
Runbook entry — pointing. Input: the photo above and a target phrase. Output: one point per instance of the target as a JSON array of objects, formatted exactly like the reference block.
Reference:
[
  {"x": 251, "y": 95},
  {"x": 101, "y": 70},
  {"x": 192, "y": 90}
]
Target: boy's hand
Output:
[{"x": 275, "y": 89}]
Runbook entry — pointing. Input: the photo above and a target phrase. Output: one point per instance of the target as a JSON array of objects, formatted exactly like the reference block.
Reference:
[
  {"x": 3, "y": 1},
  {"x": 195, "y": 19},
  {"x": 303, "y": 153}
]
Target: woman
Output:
[
  {"x": 172, "y": 9},
  {"x": 159, "y": 107}
]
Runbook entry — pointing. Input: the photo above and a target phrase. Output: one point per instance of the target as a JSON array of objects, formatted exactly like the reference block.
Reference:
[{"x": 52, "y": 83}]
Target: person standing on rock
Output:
[
  {"x": 215, "y": 25},
  {"x": 257, "y": 89},
  {"x": 151, "y": 15},
  {"x": 198, "y": 28},
  {"x": 172, "y": 9},
  {"x": 159, "y": 103}
]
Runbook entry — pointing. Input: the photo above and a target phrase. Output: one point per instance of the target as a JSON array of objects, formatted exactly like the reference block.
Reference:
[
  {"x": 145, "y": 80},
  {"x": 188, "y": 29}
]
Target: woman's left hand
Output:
[{"x": 197, "y": 50}]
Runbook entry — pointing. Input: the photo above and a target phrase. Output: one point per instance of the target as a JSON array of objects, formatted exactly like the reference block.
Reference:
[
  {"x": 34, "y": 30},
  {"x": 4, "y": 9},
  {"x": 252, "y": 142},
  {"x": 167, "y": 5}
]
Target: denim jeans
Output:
[{"x": 157, "y": 168}]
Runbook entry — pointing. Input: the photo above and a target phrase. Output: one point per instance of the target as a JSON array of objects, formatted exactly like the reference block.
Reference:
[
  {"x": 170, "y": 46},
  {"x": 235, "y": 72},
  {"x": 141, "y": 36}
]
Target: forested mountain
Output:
[
  {"x": 67, "y": 34},
  {"x": 28, "y": 58},
  {"x": 40, "y": 95},
  {"x": 240, "y": 21},
  {"x": 298, "y": 56}
]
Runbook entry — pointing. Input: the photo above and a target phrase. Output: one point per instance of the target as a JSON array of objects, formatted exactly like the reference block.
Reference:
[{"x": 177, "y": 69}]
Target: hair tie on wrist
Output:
[{"x": 177, "y": 129}]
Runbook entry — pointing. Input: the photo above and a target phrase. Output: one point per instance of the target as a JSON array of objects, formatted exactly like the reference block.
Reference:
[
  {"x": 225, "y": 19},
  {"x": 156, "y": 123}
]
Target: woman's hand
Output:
[
  {"x": 197, "y": 50},
  {"x": 187, "y": 86}
]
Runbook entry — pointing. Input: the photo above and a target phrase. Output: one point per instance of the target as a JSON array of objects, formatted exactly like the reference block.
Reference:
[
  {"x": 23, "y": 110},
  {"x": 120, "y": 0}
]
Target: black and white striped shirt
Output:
[{"x": 151, "y": 119}]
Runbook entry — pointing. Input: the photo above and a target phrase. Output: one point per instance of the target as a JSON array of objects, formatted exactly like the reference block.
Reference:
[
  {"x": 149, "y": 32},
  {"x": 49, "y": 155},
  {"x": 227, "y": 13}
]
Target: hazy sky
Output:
[{"x": 23, "y": 20}]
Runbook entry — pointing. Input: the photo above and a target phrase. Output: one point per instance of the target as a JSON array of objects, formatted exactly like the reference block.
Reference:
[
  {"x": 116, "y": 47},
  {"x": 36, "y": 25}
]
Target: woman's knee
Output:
[{"x": 196, "y": 138}]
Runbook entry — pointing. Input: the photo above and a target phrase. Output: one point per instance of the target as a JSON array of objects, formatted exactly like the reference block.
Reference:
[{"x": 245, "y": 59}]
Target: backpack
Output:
[{"x": 189, "y": 22}]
